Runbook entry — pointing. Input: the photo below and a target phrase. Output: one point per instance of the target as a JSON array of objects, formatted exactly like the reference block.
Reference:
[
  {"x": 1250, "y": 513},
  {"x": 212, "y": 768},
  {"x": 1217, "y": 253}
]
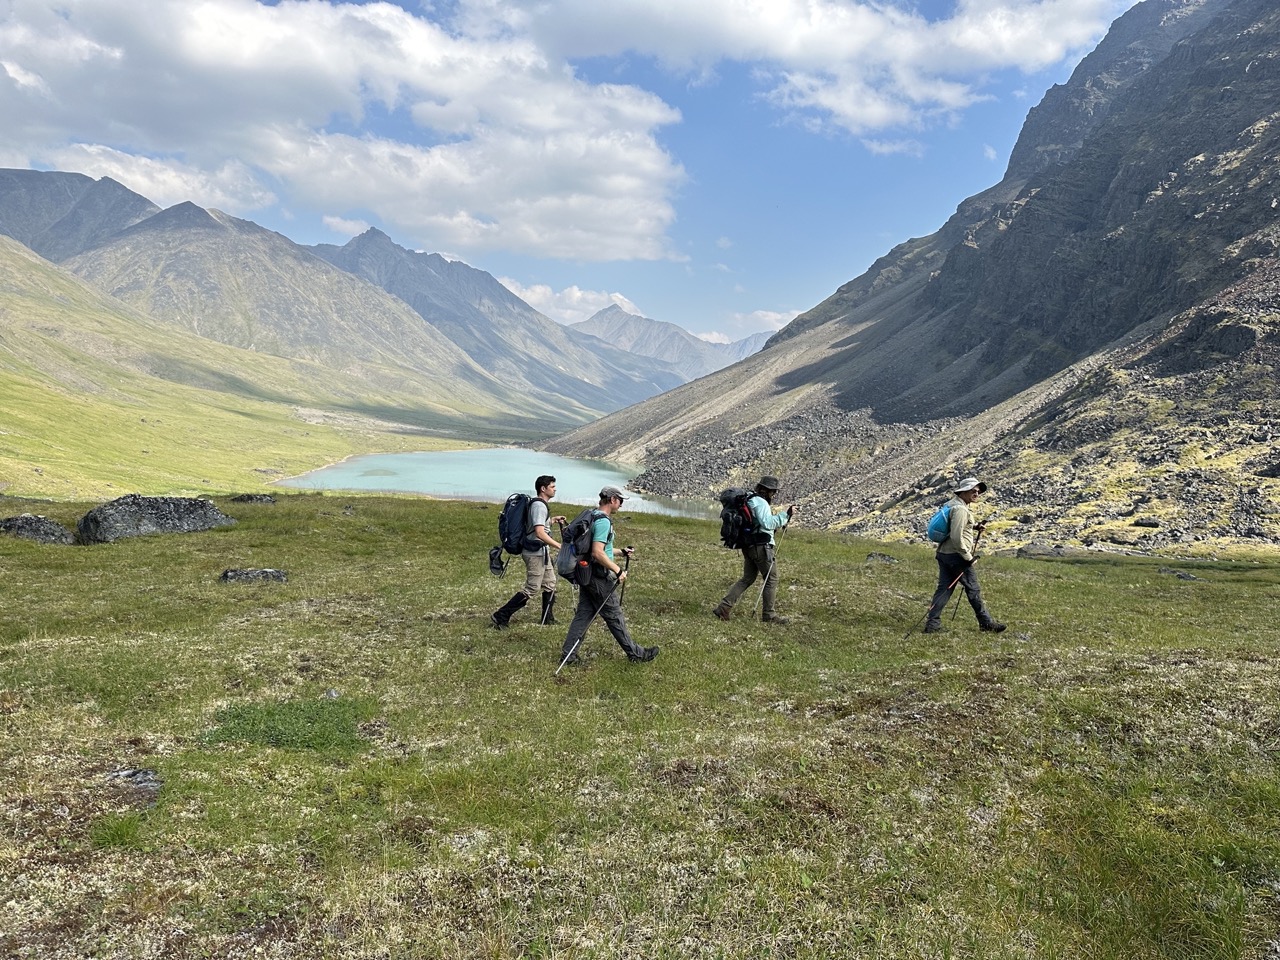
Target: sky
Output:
[{"x": 723, "y": 165}]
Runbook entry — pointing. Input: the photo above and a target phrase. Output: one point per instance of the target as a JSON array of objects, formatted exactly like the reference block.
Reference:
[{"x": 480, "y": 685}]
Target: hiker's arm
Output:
[
  {"x": 541, "y": 533},
  {"x": 960, "y": 532},
  {"x": 766, "y": 519},
  {"x": 602, "y": 558}
]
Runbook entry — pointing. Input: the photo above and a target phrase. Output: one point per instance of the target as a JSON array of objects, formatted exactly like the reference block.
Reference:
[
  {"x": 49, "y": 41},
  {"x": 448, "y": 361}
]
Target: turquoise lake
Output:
[{"x": 490, "y": 474}]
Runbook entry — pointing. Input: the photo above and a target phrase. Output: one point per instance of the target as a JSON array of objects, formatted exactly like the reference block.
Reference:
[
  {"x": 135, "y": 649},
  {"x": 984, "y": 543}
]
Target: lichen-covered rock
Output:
[
  {"x": 253, "y": 498},
  {"x": 135, "y": 516},
  {"x": 253, "y": 576},
  {"x": 29, "y": 526}
]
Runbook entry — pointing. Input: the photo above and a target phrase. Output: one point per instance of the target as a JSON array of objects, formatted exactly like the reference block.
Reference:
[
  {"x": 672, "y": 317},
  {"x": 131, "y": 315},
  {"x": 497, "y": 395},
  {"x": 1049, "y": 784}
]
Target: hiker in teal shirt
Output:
[
  {"x": 758, "y": 556},
  {"x": 600, "y": 595}
]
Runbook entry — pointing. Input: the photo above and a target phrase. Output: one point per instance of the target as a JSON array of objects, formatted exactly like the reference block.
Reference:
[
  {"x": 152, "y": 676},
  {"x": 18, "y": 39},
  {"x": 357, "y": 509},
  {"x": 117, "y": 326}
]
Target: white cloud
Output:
[
  {"x": 989, "y": 152},
  {"x": 344, "y": 227},
  {"x": 859, "y": 65},
  {"x": 758, "y": 320},
  {"x": 745, "y": 324},
  {"x": 470, "y": 143},
  {"x": 910, "y": 148},
  {"x": 569, "y": 305},
  {"x": 230, "y": 186},
  {"x": 724, "y": 243},
  {"x": 475, "y": 132}
]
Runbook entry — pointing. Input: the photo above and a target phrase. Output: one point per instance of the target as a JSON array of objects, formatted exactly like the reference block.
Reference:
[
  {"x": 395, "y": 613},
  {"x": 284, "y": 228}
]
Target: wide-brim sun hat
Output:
[
  {"x": 970, "y": 483},
  {"x": 769, "y": 483}
]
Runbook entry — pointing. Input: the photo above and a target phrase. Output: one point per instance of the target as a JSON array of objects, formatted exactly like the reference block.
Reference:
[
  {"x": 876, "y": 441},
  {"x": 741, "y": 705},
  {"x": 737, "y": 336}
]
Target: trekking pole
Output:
[
  {"x": 625, "y": 567},
  {"x": 772, "y": 562},
  {"x": 574, "y": 648},
  {"x": 917, "y": 626}
]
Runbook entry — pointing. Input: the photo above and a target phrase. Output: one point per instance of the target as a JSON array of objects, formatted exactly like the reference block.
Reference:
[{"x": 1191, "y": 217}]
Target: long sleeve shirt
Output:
[
  {"x": 766, "y": 520},
  {"x": 960, "y": 532}
]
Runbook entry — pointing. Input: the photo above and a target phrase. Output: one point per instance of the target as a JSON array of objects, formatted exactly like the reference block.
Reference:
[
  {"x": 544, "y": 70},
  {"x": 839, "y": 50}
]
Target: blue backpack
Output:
[{"x": 940, "y": 524}]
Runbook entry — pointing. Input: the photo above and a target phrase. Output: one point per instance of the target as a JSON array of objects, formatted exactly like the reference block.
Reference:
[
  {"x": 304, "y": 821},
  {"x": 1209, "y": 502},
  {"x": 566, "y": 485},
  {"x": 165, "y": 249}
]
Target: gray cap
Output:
[
  {"x": 608, "y": 493},
  {"x": 970, "y": 483},
  {"x": 768, "y": 482}
]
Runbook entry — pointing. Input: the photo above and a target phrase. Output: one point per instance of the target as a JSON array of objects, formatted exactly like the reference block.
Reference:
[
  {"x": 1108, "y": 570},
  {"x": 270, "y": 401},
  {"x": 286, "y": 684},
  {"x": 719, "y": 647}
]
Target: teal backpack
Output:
[{"x": 940, "y": 524}]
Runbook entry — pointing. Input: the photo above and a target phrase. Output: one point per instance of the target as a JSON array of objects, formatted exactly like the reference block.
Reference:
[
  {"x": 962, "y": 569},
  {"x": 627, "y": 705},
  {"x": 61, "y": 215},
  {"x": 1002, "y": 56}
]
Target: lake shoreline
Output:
[{"x": 485, "y": 475}]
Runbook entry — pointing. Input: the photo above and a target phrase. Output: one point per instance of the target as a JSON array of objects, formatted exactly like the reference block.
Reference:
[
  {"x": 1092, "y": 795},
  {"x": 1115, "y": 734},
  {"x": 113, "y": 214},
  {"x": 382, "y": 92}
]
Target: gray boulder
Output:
[
  {"x": 40, "y": 529},
  {"x": 254, "y": 576},
  {"x": 135, "y": 516}
]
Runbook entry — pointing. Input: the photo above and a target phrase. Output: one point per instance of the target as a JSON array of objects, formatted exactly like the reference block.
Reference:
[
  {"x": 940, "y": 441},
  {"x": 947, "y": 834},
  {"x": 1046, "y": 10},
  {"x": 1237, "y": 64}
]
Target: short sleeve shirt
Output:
[
  {"x": 538, "y": 516},
  {"x": 602, "y": 532}
]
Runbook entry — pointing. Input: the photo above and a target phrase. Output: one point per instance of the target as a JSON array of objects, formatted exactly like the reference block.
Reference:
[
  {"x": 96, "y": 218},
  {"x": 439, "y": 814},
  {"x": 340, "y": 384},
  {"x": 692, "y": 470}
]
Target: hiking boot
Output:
[
  {"x": 721, "y": 612},
  {"x": 933, "y": 627},
  {"x": 993, "y": 626},
  {"x": 502, "y": 616},
  {"x": 776, "y": 620},
  {"x": 573, "y": 660},
  {"x": 643, "y": 655}
]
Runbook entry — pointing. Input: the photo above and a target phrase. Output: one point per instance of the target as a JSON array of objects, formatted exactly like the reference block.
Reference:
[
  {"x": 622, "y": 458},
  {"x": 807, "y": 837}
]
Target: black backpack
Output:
[
  {"x": 575, "y": 542},
  {"x": 737, "y": 522},
  {"x": 513, "y": 522}
]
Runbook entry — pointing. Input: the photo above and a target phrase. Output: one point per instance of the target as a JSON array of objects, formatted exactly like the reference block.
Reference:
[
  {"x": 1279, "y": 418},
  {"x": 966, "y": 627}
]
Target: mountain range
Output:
[
  {"x": 389, "y": 335},
  {"x": 692, "y": 356},
  {"x": 1096, "y": 334}
]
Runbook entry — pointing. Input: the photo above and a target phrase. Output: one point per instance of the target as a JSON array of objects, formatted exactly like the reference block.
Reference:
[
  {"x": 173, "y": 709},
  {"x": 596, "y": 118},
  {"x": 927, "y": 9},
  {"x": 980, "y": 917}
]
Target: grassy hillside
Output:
[
  {"x": 352, "y": 764},
  {"x": 99, "y": 400}
]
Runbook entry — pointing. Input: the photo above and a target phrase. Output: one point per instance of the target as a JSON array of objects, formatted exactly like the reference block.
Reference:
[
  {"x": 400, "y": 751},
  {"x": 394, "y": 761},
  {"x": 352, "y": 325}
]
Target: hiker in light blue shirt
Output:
[{"x": 758, "y": 555}]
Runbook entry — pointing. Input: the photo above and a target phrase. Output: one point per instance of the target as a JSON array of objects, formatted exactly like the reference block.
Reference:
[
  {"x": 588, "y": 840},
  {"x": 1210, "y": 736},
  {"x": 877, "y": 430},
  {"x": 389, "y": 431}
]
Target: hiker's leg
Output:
[
  {"x": 546, "y": 581},
  {"x": 549, "y": 579},
  {"x": 974, "y": 593},
  {"x": 767, "y": 560},
  {"x": 534, "y": 561},
  {"x": 749, "y": 574},
  {"x": 949, "y": 565},
  {"x": 611, "y": 613},
  {"x": 502, "y": 616},
  {"x": 587, "y": 603}
]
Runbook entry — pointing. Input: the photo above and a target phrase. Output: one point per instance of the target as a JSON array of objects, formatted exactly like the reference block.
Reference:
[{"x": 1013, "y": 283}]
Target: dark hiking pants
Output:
[
  {"x": 951, "y": 566},
  {"x": 600, "y": 594}
]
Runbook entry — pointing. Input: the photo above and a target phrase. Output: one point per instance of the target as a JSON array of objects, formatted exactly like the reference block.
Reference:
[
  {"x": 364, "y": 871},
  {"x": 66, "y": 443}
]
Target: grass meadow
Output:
[{"x": 353, "y": 764}]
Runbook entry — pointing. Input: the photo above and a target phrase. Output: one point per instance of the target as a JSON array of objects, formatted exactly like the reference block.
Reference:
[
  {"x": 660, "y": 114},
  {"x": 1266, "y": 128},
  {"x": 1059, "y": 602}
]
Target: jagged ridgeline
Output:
[
  {"x": 1096, "y": 334},
  {"x": 426, "y": 342}
]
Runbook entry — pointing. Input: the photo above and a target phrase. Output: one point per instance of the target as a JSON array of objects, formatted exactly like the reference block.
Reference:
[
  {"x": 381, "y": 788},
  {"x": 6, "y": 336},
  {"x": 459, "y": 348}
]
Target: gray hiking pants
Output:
[
  {"x": 601, "y": 595},
  {"x": 757, "y": 561}
]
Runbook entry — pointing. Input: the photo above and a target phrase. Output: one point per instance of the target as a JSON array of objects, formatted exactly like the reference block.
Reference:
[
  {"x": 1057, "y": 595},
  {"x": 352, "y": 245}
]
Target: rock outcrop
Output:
[
  {"x": 29, "y": 526},
  {"x": 136, "y": 516}
]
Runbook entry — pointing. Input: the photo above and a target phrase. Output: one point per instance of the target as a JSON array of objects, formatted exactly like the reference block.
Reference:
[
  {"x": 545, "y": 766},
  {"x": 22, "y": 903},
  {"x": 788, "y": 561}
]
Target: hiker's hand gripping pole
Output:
[{"x": 627, "y": 551}]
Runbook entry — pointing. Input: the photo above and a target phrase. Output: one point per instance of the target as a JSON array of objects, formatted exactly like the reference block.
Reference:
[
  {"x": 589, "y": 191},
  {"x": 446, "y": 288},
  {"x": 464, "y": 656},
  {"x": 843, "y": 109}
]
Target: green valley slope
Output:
[{"x": 101, "y": 400}]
